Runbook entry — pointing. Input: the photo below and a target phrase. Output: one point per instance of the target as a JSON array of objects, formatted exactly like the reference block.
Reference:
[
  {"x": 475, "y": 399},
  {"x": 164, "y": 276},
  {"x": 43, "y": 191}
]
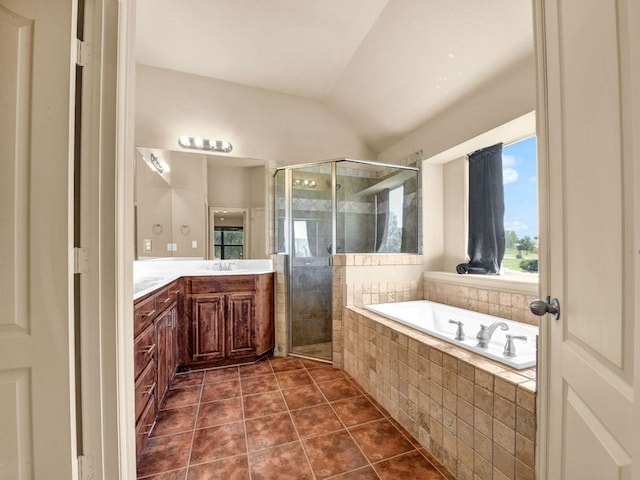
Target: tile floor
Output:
[{"x": 284, "y": 419}]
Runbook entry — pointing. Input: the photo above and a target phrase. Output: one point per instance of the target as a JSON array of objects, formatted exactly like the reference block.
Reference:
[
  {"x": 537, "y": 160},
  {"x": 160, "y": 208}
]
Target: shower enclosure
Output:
[{"x": 337, "y": 206}]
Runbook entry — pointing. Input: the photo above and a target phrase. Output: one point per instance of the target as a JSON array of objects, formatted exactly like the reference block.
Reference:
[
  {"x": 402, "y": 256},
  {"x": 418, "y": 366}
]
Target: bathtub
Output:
[{"x": 433, "y": 318}]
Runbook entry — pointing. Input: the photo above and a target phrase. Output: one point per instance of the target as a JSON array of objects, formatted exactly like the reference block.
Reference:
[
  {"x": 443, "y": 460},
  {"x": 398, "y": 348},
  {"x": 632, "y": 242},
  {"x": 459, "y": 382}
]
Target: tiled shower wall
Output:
[{"x": 475, "y": 416}]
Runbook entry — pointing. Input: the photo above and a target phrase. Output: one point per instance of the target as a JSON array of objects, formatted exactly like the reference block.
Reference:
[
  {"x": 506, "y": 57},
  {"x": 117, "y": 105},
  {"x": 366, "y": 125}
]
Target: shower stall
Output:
[{"x": 333, "y": 207}]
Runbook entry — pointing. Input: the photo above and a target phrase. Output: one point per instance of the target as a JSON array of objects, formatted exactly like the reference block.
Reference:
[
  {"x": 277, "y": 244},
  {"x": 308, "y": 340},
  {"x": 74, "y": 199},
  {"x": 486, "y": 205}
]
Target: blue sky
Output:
[{"x": 519, "y": 173}]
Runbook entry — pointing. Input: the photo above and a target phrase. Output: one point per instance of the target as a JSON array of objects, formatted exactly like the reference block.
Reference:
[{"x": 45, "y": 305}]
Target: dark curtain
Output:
[
  {"x": 486, "y": 212},
  {"x": 382, "y": 220},
  {"x": 410, "y": 217},
  {"x": 312, "y": 237}
]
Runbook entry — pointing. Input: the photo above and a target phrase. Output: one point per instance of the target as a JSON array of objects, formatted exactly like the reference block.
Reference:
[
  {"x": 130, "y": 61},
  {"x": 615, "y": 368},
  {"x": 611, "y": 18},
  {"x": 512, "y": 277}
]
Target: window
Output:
[
  {"x": 503, "y": 203},
  {"x": 520, "y": 181},
  {"x": 228, "y": 242}
]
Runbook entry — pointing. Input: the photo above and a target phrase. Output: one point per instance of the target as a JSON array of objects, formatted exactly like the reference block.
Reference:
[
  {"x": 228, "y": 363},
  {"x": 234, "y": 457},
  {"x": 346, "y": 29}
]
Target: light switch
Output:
[
  {"x": 194, "y": 244},
  {"x": 148, "y": 246}
]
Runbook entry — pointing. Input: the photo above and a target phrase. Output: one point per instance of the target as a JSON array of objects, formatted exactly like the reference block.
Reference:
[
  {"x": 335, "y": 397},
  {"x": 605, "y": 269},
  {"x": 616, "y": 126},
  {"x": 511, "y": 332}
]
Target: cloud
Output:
[
  {"x": 509, "y": 160},
  {"x": 509, "y": 175},
  {"x": 516, "y": 226}
]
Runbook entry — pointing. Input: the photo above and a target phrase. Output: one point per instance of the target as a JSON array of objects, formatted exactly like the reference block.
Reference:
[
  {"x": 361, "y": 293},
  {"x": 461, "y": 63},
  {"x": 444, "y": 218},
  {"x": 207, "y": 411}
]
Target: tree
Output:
[
  {"x": 510, "y": 239},
  {"x": 527, "y": 244}
]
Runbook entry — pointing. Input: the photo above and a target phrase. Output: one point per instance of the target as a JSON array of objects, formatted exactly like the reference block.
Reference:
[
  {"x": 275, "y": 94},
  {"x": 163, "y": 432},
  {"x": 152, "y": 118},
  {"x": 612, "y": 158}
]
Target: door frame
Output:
[
  {"x": 117, "y": 406},
  {"x": 107, "y": 219},
  {"x": 544, "y": 340}
]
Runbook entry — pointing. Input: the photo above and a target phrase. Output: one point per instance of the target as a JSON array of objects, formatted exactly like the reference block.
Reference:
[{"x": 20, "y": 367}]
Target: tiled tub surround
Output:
[
  {"x": 485, "y": 294},
  {"x": 473, "y": 415}
]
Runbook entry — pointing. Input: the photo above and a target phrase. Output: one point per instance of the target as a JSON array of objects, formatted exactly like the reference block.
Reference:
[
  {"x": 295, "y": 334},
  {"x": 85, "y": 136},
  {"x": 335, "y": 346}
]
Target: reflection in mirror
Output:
[
  {"x": 170, "y": 198},
  {"x": 172, "y": 192},
  {"x": 228, "y": 233}
]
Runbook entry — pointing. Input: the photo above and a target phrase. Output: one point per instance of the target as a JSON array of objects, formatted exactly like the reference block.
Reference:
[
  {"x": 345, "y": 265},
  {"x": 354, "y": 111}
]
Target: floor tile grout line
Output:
[
  {"x": 304, "y": 450},
  {"x": 345, "y": 427},
  {"x": 244, "y": 428},
  {"x": 193, "y": 435},
  {"x": 385, "y": 418},
  {"x": 389, "y": 418}
]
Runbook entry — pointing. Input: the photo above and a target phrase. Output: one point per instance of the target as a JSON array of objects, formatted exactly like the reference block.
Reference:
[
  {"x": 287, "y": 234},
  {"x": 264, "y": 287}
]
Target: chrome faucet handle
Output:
[
  {"x": 509, "y": 347},
  {"x": 459, "y": 330}
]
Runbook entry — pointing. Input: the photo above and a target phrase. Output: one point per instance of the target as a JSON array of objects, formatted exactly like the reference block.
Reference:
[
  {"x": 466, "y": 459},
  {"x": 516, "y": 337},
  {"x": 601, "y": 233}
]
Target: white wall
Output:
[
  {"x": 511, "y": 94},
  {"x": 259, "y": 123},
  {"x": 455, "y": 213},
  {"x": 228, "y": 187}
]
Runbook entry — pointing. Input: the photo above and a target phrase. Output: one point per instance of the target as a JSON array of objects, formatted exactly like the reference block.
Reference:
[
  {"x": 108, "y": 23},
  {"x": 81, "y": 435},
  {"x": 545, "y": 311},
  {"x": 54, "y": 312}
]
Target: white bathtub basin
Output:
[{"x": 433, "y": 318}]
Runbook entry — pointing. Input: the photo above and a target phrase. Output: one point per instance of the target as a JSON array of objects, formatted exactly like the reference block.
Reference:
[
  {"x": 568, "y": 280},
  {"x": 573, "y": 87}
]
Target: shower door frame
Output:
[{"x": 288, "y": 226}]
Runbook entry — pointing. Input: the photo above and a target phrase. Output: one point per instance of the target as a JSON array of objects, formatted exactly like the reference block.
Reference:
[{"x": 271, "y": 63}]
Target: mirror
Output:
[{"x": 173, "y": 194}]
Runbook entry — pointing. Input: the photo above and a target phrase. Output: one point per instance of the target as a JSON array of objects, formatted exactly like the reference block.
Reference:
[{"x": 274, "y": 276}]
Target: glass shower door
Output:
[{"x": 310, "y": 252}]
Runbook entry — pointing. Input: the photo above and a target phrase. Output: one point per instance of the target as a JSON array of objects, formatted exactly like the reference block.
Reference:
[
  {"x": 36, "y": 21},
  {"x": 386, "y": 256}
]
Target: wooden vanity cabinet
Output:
[
  {"x": 155, "y": 354},
  {"x": 229, "y": 319}
]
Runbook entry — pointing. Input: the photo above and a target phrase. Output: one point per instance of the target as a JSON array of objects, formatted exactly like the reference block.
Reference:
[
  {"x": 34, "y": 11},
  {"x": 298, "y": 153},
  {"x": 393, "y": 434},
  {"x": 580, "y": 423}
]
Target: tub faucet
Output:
[
  {"x": 509, "y": 347},
  {"x": 485, "y": 333},
  {"x": 459, "y": 330}
]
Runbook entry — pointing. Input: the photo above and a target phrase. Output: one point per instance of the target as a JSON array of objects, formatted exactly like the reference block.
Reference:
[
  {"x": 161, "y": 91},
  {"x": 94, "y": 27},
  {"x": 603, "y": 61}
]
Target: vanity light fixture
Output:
[
  {"x": 157, "y": 164},
  {"x": 304, "y": 183},
  {"x": 196, "y": 143}
]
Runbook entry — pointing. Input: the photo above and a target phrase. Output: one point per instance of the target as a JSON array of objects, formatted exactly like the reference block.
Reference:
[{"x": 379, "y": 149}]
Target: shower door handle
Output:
[{"x": 338, "y": 248}]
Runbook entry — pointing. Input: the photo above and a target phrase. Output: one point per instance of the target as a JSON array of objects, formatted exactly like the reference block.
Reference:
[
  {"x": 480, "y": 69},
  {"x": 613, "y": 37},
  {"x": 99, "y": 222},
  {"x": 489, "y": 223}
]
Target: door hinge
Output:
[
  {"x": 85, "y": 467},
  {"x": 80, "y": 260},
  {"x": 83, "y": 53}
]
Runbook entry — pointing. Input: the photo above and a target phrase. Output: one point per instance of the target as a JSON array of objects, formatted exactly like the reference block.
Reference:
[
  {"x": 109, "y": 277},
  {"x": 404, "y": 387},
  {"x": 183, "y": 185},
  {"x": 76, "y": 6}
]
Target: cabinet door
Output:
[
  {"x": 163, "y": 325},
  {"x": 144, "y": 349},
  {"x": 240, "y": 324},
  {"x": 172, "y": 345},
  {"x": 167, "y": 350},
  {"x": 207, "y": 325}
]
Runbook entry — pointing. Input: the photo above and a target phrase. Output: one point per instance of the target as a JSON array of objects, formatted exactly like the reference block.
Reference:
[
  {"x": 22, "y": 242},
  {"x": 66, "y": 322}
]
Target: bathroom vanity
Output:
[{"x": 192, "y": 315}]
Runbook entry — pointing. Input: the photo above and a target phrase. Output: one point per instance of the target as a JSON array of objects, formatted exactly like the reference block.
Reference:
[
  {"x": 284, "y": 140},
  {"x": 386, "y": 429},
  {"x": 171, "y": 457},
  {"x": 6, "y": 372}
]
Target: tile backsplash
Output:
[{"x": 493, "y": 301}]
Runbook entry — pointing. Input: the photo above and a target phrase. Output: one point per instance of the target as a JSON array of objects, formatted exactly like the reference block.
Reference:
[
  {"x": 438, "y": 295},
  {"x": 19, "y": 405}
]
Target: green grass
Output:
[{"x": 512, "y": 263}]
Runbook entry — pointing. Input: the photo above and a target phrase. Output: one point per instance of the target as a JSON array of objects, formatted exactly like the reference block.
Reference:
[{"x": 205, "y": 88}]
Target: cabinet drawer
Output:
[
  {"x": 144, "y": 349},
  {"x": 223, "y": 284},
  {"x": 144, "y": 312},
  {"x": 145, "y": 387},
  {"x": 144, "y": 426},
  {"x": 166, "y": 296}
]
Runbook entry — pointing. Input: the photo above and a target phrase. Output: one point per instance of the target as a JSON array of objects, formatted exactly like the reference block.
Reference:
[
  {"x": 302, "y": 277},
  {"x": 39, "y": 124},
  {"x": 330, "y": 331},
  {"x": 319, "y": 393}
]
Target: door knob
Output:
[{"x": 542, "y": 307}]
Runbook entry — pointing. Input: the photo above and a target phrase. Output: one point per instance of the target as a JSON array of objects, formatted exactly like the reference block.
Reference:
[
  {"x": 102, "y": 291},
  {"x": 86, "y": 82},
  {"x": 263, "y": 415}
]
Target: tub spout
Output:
[{"x": 485, "y": 333}]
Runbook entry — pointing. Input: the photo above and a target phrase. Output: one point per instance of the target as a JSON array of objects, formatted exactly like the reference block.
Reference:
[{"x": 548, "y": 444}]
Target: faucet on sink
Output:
[{"x": 485, "y": 333}]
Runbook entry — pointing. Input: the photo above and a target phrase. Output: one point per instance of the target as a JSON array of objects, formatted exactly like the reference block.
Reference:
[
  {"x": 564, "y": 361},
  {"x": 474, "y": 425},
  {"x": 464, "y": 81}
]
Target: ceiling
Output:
[{"x": 386, "y": 66}]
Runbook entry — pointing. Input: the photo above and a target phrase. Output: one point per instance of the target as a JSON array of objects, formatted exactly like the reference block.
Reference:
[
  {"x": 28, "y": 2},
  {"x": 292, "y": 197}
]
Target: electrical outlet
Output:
[
  {"x": 148, "y": 245},
  {"x": 194, "y": 244}
]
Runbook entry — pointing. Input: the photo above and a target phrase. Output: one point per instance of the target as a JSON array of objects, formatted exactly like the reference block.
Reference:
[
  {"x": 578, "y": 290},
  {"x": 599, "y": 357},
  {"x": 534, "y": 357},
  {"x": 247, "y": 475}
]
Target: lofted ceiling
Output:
[{"x": 385, "y": 66}]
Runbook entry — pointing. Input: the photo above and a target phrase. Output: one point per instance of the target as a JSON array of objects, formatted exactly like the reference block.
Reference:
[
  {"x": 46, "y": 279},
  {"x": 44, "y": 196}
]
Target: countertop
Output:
[{"x": 149, "y": 275}]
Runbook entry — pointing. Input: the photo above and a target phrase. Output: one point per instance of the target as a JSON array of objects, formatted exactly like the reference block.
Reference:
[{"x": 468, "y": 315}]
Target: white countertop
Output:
[{"x": 149, "y": 275}]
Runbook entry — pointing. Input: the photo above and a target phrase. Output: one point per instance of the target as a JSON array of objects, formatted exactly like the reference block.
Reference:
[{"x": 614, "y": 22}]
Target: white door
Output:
[
  {"x": 589, "y": 126},
  {"x": 37, "y": 413}
]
